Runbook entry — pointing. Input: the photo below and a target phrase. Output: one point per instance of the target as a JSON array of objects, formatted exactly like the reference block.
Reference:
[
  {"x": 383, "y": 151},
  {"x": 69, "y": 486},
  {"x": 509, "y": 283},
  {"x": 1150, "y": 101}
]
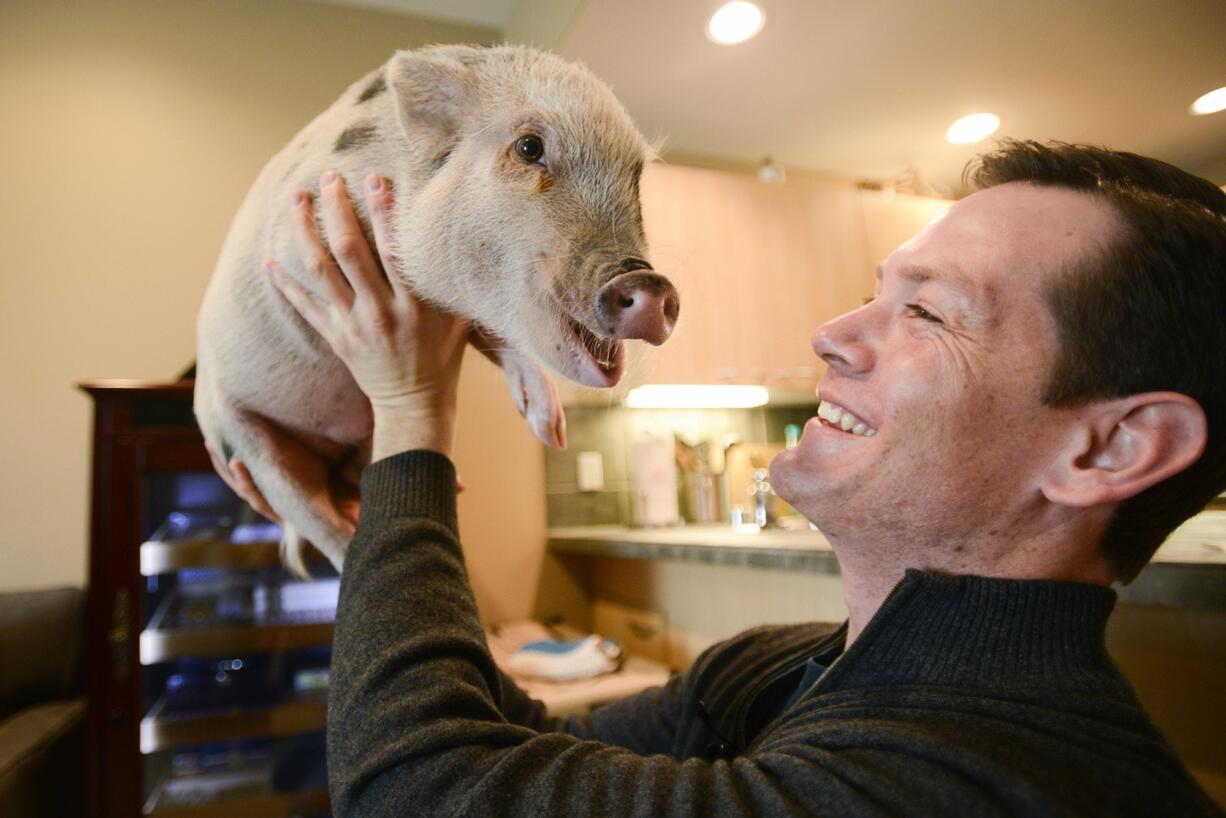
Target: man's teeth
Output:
[{"x": 838, "y": 416}]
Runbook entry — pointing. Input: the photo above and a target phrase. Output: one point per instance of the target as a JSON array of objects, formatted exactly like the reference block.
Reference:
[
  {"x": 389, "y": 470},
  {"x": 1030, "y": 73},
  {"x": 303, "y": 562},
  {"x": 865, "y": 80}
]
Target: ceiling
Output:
[
  {"x": 866, "y": 89},
  {"x": 492, "y": 13}
]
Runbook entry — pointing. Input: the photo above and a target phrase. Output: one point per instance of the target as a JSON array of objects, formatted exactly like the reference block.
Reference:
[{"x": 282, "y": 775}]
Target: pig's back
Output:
[{"x": 253, "y": 350}]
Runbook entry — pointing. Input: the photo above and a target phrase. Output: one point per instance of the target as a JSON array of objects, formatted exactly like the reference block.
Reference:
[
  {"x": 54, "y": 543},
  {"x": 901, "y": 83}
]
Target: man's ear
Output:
[
  {"x": 434, "y": 89},
  {"x": 1120, "y": 447}
]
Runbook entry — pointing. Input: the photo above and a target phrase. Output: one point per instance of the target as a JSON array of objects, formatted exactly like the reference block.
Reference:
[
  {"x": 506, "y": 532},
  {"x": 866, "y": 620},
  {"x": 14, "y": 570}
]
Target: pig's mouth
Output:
[{"x": 599, "y": 361}]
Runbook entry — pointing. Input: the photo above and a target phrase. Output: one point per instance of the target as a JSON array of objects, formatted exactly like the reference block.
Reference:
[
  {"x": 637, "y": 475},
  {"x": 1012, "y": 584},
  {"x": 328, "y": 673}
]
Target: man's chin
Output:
[{"x": 788, "y": 478}]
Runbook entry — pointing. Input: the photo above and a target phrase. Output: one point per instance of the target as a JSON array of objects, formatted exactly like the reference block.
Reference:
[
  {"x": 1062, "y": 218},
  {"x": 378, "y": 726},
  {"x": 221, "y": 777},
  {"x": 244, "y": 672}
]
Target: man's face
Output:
[{"x": 944, "y": 367}]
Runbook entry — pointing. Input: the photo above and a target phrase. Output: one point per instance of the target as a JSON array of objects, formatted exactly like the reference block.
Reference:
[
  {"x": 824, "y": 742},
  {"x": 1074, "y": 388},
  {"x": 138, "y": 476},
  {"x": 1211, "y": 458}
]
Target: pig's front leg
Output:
[{"x": 533, "y": 390}]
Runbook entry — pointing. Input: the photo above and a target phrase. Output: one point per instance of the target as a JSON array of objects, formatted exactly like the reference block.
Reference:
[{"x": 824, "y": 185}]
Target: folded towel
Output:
[{"x": 564, "y": 661}]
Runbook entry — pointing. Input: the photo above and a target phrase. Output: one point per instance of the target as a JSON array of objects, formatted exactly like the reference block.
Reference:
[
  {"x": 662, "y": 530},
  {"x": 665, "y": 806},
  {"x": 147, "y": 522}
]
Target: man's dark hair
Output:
[{"x": 1147, "y": 313}]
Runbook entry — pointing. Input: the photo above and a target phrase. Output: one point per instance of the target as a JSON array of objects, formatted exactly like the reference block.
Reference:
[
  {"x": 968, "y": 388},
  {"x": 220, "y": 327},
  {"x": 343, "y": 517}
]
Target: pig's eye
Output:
[{"x": 530, "y": 148}]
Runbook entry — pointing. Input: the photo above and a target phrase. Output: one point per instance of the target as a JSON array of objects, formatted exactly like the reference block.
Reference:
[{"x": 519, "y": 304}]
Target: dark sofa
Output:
[{"x": 42, "y": 709}]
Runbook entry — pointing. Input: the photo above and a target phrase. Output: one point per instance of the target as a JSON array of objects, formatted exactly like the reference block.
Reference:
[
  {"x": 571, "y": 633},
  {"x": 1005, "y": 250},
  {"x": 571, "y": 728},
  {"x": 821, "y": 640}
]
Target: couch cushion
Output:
[
  {"x": 41, "y": 760},
  {"x": 42, "y": 635}
]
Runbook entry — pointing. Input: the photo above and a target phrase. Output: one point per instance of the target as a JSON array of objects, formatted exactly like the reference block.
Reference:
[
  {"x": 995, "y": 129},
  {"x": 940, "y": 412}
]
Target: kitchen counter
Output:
[
  {"x": 1189, "y": 570},
  {"x": 803, "y": 550}
]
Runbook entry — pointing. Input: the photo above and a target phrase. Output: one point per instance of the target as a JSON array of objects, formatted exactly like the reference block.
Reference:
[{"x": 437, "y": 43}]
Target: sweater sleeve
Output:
[
  {"x": 415, "y": 719},
  {"x": 645, "y": 722}
]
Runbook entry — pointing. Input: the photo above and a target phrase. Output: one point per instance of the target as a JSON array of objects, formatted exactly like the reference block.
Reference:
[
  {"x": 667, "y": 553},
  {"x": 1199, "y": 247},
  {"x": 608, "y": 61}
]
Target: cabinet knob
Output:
[{"x": 120, "y": 635}]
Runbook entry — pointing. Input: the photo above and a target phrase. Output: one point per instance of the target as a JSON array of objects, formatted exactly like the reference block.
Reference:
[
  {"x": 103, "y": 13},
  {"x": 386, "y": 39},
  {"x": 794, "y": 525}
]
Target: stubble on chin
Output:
[{"x": 787, "y": 477}]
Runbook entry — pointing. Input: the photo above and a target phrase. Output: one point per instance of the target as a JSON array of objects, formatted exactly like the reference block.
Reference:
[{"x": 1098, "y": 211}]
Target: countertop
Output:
[{"x": 1187, "y": 571}]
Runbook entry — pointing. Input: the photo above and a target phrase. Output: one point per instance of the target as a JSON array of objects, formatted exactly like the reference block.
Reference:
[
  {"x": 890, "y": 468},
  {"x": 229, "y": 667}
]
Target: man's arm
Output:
[
  {"x": 414, "y": 724},
  {"x": 645, "y": 722}
]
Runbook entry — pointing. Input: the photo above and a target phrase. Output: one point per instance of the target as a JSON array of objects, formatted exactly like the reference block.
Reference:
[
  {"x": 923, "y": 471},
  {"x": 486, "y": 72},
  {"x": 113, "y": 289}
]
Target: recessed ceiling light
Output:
[
  {"x": 1209, "y": 103},
  {"x": 972, "y": 128},
  {"x": 735, "y": 23}
]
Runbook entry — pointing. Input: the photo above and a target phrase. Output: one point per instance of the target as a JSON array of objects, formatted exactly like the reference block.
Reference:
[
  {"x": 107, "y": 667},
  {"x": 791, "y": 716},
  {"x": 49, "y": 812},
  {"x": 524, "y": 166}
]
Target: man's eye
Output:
[{"x": 923, "y": 314}]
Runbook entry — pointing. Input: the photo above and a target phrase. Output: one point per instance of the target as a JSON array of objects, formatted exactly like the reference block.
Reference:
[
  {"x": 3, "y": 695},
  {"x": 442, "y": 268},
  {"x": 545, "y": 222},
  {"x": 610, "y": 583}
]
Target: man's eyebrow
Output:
[
  {"x": 918, "y": 275},
  {"x": 985, "y": 296}
]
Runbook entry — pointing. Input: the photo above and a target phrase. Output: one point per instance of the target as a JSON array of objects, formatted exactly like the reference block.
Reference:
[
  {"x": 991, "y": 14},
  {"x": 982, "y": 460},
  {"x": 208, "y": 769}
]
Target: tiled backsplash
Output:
[{"x": 612, "y": 430}]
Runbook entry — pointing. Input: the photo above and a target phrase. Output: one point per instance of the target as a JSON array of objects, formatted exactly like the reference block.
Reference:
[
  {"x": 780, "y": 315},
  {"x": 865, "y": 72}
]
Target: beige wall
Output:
[{"x": 132, "y": 129}]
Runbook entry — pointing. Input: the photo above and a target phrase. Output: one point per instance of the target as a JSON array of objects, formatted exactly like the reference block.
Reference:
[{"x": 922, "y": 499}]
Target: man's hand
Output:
[
  {"x": 404, "y": 354},
  {"x": 239, "y": 480}
]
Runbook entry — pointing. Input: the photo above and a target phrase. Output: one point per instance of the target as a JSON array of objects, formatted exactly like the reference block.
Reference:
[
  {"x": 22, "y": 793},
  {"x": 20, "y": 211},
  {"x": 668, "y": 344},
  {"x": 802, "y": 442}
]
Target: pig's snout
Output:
[{"x": 641, "y": 304}]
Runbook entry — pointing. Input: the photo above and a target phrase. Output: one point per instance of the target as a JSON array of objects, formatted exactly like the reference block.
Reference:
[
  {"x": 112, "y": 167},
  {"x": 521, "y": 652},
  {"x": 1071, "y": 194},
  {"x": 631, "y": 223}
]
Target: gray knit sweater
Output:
[{"x": 964, "y": 696}]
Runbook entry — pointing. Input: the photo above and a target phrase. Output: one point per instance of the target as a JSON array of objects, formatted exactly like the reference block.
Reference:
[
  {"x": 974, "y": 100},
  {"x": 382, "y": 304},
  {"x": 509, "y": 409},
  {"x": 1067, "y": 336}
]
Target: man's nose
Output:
[{"x": 844, "y": 343}]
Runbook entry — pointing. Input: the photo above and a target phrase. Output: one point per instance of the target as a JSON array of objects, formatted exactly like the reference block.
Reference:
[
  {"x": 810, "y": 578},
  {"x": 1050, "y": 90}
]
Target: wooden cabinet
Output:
[
  {"x": 205, "y": 682},
  {"x": 758, "y": 268}
]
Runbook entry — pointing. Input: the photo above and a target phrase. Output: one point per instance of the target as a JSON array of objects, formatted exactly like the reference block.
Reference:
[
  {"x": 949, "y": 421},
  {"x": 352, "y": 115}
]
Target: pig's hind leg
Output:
[{"x": 310, "y": 489}]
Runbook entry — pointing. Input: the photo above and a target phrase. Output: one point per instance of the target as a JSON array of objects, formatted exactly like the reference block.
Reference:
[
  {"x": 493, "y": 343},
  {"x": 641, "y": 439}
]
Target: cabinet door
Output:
[
  {"x": 704, "y": 236},
  {"x": 758, "y": 268},
  {"x": 817, "y": 268}
]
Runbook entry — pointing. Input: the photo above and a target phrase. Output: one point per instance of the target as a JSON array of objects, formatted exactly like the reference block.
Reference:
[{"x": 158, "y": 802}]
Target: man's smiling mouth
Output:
[{"x": 837, "y": 417}]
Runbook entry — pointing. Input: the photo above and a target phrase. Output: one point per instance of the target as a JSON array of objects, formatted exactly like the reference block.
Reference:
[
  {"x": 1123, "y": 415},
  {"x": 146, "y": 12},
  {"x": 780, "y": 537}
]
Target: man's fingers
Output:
[
  {"x": 239, "y": 480},
  {"x": 379, "y": 202},
  {"x": 325, "y": 276},
  {"x": 223, "y": 471},
  {"x": 248, "y": 491},
  {"x": 348, "y": 243},
  {"x": 307, "y": 306}
]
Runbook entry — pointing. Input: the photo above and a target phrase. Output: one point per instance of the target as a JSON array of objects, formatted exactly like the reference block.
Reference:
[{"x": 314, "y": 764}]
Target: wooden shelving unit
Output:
[
  {"x": 161, "y": 643},
  {"x": 143, "y": 756},
  {"x": 300, "y": 714},
  {"x": 270, "y": 805},
  {"x": 162, "y": 554}
]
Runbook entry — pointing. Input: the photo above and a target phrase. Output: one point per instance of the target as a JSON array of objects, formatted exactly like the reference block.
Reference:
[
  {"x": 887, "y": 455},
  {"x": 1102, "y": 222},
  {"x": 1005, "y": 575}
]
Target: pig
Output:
[{"x": 516, "y": 179}]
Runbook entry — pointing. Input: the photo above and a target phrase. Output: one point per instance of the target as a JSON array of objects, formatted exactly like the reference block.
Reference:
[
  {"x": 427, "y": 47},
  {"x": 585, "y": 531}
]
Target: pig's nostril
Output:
[
  {"x": 632, "y": 264},
  {"x": 625, "y": 302},
  {"x": 672, "y": 308}
]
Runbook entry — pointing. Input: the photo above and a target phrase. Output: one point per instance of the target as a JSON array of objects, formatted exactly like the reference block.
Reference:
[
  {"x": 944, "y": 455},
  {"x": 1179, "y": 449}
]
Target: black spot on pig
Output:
[
  {"x": 437, "y": 163},
  {"x": 354, "y": 137},
  {"x": 470, "y": 59},
  {"x": 374, "y": 89}
]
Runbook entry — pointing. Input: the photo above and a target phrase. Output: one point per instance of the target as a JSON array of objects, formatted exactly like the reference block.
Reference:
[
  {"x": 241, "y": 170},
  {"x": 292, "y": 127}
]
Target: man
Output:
[{"x": 1030, "y": 403}]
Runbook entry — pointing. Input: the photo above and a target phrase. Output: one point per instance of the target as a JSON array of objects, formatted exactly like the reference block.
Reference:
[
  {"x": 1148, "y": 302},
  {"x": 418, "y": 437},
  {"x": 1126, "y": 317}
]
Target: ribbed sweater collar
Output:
[{"x": 970, "y": 630}]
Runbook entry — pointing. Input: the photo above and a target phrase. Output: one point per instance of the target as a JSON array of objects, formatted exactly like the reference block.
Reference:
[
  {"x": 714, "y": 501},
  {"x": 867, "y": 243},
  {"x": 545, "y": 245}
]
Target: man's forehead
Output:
[
  {"x": 1006, "y": 238},
  {"x": 1031, "y": 219}
]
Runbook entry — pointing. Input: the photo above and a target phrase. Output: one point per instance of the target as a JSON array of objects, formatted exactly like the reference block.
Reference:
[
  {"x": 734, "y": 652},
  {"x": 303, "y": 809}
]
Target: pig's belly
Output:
[
  {"x": 314, "y": 399},
  {"x": 332, "y": 408}
]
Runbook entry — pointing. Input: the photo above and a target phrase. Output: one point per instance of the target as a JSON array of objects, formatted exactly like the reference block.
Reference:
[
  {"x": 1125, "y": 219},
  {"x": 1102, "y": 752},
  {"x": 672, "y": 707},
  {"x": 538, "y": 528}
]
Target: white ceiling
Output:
[
  {"x": 492, "y": 13},
  {"x": 866, "y": 89}
]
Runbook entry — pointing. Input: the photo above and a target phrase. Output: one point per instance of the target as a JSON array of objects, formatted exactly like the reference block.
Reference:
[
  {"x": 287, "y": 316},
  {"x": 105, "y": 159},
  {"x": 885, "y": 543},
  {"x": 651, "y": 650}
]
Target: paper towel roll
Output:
[{"x": 655, "y": 482}]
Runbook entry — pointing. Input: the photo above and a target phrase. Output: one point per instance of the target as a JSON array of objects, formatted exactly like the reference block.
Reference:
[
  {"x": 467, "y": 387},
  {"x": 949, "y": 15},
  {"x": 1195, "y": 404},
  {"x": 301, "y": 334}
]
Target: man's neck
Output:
[
  {"x": 864, "y": 589},
  {"x": 869, "y": 575}
]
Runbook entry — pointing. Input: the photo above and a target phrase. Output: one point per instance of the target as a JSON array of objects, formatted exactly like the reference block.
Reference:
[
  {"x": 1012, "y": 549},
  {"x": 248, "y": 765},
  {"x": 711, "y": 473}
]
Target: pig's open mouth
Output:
[{"x": 600, "y": 361}]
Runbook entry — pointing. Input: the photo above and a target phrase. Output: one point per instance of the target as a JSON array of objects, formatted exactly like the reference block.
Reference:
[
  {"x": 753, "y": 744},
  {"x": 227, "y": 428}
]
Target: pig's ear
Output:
[{"x": 433, "y": 89}]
